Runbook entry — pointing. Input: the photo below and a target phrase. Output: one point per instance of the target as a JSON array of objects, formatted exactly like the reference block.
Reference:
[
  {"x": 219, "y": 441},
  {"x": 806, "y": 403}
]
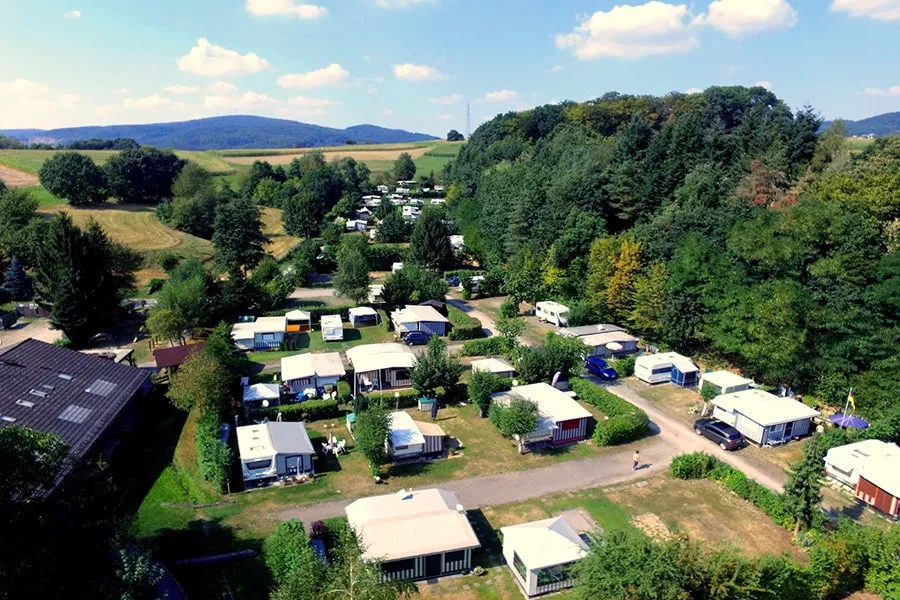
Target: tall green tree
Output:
[
  {"x": 143, "y": 174},
  {"x": 803, "y": 491},
  {"x": 238, "y": 241},
  {"x": 482, "y": 385},
  {"x": 404, "y": 167},
  {"x": 352, "y": 278},
  {"x": 393, "y": 229},
  {"x": 436, "y": 368},
  {"x": 430, "y": 240},
  {"x": 20, "y": 226},
  {"x": 455, "y": 136},
  {"x": 302, "y": 215},
  {"x": 372, "y": 429},
  {"x": 74, "y": 177},
  {"x": 30, "y": 461},
  {"x": 16, "y": 281},
  {"x": 284, "y": 548},
  {"x": 200, "y": 383},
  {"x": 515, "y": 420},
  {"x": 82, "y": 277}
]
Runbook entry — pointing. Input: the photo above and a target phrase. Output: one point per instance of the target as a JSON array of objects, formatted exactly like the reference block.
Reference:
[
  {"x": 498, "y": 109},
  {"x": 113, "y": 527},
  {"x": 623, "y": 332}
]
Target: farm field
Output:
[
  {"x": 30, "y": 161},
  {"x": 362, "y": 155}
]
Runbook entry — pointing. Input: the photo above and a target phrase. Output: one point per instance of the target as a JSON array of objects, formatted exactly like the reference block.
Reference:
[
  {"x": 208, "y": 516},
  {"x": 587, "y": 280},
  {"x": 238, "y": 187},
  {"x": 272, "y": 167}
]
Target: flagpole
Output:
[{"x": 846, "y": 406}]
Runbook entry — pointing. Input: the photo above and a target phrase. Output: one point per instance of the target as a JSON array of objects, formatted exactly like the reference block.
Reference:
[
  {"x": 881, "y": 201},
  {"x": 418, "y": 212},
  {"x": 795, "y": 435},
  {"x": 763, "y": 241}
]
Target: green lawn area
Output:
[{"x": 30, "y": 161}]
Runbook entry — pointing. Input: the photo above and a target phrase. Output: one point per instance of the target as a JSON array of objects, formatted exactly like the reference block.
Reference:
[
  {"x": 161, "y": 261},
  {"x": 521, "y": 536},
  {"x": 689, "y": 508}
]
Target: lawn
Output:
[{"x": 535, "y": 332}]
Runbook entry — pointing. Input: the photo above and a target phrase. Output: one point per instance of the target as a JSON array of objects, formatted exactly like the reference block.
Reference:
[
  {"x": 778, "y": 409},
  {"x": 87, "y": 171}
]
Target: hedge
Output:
[
  {"x": 624, "y": 366},
  {"x": 703, "y": 466},
  {"x": 625, "y": 422},
  {"x": 213, "y": 458},
  {"x": 410, "y": 398},
  {"x": 383, "y": 256},
  {"x": 310, "y": 410},
  {"x": 464, "y": 326},
  {"x": 316, "y": 312},
  {"x": 491, "y": 346}
]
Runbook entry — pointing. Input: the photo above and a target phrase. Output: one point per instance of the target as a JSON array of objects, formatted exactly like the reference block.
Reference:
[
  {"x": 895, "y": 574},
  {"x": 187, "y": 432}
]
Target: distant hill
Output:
[
  {"x": 222, "y": 133},
  {"x": 879, "y": 125}
]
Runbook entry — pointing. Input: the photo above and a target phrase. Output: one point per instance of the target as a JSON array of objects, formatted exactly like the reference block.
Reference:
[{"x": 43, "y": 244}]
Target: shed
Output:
[
  {"x": 541, "y": 554},
  {"x": 174, "y": 357},
  {"x": 274, "y": 450},
  {"x": 265, "y": 333},
  {"x": 332, "y": 328},
  {"x": 381, "y": 366},
  {"x": 843, "y": 463},
  {"x": 497, "y": 366},
  {"x": 418, "y": 534},
  {"x": 363, "y": 315},
  {"x": 412, "y": 439},
  {"x": 258, "y": 393},
  {"x": 376, "y": 291},
  {"x": 298, "y": 321},
  {"x": 316, "y": 371},
  {"x": 666, "y": 367},
  {"x": 879, "y": 485},
  {"x": 415, "y": 317},
  {"x": 603, "y": 339},
  {"x": 561, "y": 420},
  {"x": 762, "y": 417},
  {"x": 725, "y": 382}
]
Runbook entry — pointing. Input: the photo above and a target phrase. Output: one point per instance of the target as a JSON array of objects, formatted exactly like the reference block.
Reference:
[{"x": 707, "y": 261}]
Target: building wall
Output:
[
  {"x": 268, "y": 341},
  {"x": 434, "y": 444},
  {"x": 568, "y": 432},
  {"x": 873, "y": 495},
  {"x": 752, "y": 430},
  {"x": 303, "y": 462},
  {"x": 418, "y": 567},
  {"x": 410, "y": 451}
]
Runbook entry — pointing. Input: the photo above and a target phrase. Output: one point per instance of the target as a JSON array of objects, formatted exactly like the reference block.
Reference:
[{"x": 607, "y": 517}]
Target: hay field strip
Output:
[
  {"x": 30, "y": 161},
  {"x": 346, "y": 152},
  {"x": 326, "y": 149}
]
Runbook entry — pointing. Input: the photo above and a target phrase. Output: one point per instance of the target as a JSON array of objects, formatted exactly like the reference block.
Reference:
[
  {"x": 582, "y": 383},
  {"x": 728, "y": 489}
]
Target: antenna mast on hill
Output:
[{"x": 468, "y": 120}]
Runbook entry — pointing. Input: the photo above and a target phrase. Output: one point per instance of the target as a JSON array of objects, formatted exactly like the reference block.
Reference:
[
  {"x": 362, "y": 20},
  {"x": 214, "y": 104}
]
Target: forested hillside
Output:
[{"x": 719, "y": 224}]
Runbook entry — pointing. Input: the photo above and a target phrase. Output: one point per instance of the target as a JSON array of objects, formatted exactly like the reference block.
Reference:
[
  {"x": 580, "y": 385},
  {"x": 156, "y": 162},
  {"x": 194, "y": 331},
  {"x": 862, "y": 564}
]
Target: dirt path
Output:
[
  {"x": 38, "y": 329},
  {"x": 15, "y": 178},
  {"x": 487, "y": 321}
]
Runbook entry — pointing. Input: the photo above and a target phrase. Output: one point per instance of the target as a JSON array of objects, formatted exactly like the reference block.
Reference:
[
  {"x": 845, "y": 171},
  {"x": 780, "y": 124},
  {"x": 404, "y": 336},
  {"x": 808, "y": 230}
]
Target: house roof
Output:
[
  {"x": 418, "y": 313},
  {"x": 404, "y": 431},
  {"x": 551, "y": 304},
  {"x": 545, "y": 543},
  {"x": 589, "y": 330},
  {"x": 551, "y": 403},
  {"x": 297, "y": 315},
  {"x": 167, "y": 358},
  {"x": 492, "y": 365},
  {"x": 374, "y": 357},
  {"x": 882, "y": 471},
  {"x": 56, "y": 390},
  {"x": 362, "y": 311},
  {"x": 320, "y": 364},
  {"x": 242, "y": 331},
  {"x": 682, "y": 363},
  {"x": 725, "y": 379},
  {"x": 411, "y": 523},
  {"x": 764, "y": 408},
  {"x": 853, "y": 456},
  {"x": 264, "y": 440},
  {"x": 595, "y": 340},
  {"x": 261, "y": 391}
]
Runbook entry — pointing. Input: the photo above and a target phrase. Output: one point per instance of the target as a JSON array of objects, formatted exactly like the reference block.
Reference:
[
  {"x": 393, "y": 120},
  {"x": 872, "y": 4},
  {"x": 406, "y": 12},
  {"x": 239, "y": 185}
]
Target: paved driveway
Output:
[{"x": 38, "y": 329}]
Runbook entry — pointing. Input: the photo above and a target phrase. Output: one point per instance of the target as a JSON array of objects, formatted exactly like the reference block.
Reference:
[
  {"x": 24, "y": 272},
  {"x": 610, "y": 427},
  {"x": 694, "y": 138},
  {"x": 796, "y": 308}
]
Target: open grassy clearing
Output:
[
  {"x": 30, "y": 161},
  {"x": 16, "y": 178},
  {"x": 346, "y": 152},
  {"x": 350, "y": 147}
]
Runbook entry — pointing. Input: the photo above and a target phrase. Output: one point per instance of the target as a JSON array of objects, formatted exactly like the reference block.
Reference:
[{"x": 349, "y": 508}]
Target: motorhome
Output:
[{"x": 552, "y": 312}]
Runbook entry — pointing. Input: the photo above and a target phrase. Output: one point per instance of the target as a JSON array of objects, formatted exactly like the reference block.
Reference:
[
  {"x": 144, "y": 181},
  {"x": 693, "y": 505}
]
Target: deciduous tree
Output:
[
  {"x": 436, "y": 368},
  {"x": 238, "y": 241},
  {"x": 372, "y": 429},
  {"x": 352, "y": 278},
  {"x": 142, "y": 175},
  {"x": 404, "y": 167},
  {"x": 74, "y": 177}
]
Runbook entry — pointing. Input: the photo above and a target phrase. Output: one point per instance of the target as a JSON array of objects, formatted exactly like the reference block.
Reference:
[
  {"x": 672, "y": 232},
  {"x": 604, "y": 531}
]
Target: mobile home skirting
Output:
[
  {"x": 569, "y": 432},
  {"x": 873, "y": 495},
  {"x": 418, "y": 568},
  {"x": 434, "y": 444}
]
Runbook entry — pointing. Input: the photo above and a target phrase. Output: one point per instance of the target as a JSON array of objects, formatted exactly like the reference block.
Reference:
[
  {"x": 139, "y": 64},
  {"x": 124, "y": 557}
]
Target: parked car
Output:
[
  {"x": 726, "y": 436},
  {"x": 415, "y": 338},
  {"x": 453, "y": 281},
  {"x": 600, "y": 368}
]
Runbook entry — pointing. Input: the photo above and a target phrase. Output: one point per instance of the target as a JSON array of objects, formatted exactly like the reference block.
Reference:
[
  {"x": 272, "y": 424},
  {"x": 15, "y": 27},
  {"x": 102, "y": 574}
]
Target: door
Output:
[
  {"x": 788, "y": 431},
  {"x": 433, "y": 565}
]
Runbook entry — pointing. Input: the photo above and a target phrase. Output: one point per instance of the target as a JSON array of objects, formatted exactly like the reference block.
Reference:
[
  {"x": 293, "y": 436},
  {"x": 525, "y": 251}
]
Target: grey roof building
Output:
[{"x": 77, "y": 396}]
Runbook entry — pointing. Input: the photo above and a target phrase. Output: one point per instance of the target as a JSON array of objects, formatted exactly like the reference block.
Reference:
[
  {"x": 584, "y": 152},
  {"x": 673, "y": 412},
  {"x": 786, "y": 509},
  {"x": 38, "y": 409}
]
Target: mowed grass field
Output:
[{"x": 30, "y": 161}]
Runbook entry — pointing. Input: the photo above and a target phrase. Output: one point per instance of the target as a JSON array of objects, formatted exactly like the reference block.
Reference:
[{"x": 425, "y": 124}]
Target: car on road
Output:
[
  {"x": 415, "y": 338},
  {"x": 600, "y": 368},
  {"x": 726, "y": 436}
]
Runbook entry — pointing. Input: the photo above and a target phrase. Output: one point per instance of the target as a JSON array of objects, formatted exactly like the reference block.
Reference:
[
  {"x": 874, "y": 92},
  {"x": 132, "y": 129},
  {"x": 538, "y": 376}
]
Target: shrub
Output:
[
  {"x": 624, "y": 366},
  {"x": 213, "y": 457},
  {"x": 344, "y": 391},
  {"x": 310, "y": 410},
  {"x": 625, "y": 422},
  {"x": 168, "y": 261},
  {"x": 464, "y": 326},
  {"x": 487, "y": 347},
  {"x": 317, "y": 530},
  {"x": 387, "y": 400},
  {"x": 156, "y": 284},
  {"x": 692, "y": 466},
  {"x": 509, "y": 308},
  {"x": 383, "y": 256}
]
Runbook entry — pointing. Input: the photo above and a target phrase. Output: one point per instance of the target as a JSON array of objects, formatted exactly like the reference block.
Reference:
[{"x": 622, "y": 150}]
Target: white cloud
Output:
[
  {"x": 499, "y": 96},
  {"x": 208, "y": 60},
  {"x": 25, "y": 103},
  {"x": 881, "y": 10},
  {"x": 891, "y": 91},
  {"x": 765, "y": 84},
  {"x": 401, "y": 3},
  {"x": 738, "y": 18},
  {"x": 222, "y": 88},
  {"x": 304, "y": 102},
  {"x": 73, "y": 14},
  {"x": 447, "y": 100},
  {"x": 182, "y": 89},
  {"x": 288, "y": 8},
  {"x": 122, "y": 92},
  {"x": 632, "y": 32},
  {"x": 387, "y": 112},
  {"x": 238, "y": 101},
  {"x": 411, "y": 72},
  {"x": 333, "y": 74},
  {"x": 445, "y": 117},
  {"x": 556, "y": 68},
  {"x": 693, "y": 91},
  {"x": 151, "y": 102}
]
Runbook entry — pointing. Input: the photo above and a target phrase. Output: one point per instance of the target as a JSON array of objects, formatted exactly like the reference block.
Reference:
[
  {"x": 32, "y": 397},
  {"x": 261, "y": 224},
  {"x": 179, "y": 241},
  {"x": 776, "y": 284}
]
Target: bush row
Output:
[
  {"x": 464, "y": 326},
  {"x": 487, "y": 347},
  {"x": 316, "y": 312},
  {"x": 625, "y": 422},
  {"x": 213, "y": 457},
  {"x": 310, "y": 410}
]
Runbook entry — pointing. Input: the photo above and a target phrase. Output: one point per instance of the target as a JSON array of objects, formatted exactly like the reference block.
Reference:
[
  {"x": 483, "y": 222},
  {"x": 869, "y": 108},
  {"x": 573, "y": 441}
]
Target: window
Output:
[
  {"x": 256, "y": 465},
  {"x": 398, "y": 566},
  {"x": 401, "y": 447},
  {"x": 455, "y": 556},
  {"x": 661, "y": 370},
  {"x": 553, "y": 574},
  {"x": 520, "y": 567},
  {"x": 401, "y": 374},
  {"x": 268, "y": 337}
]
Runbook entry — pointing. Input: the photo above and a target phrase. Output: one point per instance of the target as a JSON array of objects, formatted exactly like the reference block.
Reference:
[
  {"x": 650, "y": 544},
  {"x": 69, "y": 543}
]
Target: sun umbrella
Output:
[
  {"x": 849, "y": 421},
  {"x": 614, "y": 346}
]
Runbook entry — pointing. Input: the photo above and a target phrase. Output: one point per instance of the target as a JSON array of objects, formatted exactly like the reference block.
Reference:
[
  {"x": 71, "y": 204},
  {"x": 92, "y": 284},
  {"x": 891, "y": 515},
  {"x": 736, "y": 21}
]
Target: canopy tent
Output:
[{"x": 851, "y": 421}]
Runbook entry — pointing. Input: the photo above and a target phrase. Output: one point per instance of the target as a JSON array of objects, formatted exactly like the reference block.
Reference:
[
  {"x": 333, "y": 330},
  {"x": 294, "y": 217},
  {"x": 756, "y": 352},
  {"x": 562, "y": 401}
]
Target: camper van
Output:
[
  {"x": 552, "y": 312},
  {"x": 332, "y": 328}
]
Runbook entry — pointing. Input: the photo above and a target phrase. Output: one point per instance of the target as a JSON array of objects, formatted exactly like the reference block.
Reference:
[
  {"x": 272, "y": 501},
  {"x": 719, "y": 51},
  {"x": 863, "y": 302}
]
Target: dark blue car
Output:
[
  {"x": 415, "y": 338},
  {"x": 600, "y": 368}
]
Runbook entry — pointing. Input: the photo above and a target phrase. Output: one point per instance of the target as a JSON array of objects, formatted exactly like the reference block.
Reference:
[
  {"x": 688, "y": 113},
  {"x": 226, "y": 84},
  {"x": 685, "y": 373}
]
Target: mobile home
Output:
[
  {"x": 378, "y": 367},
  {"x": 412, "y": 439},
  {"x": 725, "y": 382},
  {"x": 265, "y": 333},
  {"x": 561, "y": 420},
  {"x": 541, "y": 554},
  {"x": 764, "y": 418},
  {"x": 552, "y": 312},
  {"x": 603, "y": 339},
  {"x": 666, "y": 367},
  {"x": 274, "y": 450},
  {"x": 843, "y": 463},
  {"x": 311, "y": 372},
  {"x": 332, "y": 328}
]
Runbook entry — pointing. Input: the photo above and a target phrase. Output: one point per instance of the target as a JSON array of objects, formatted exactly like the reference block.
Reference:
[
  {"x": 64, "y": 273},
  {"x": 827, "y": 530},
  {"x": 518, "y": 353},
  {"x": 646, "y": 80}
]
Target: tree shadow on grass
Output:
[{"x": 489, "y": 538}]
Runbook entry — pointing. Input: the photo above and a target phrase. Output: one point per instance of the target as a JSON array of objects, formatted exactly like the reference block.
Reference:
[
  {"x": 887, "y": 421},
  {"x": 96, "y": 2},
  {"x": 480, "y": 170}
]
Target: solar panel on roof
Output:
[
  {"x": 75, "y": 414},
  {"x": 101, "y": 387}
]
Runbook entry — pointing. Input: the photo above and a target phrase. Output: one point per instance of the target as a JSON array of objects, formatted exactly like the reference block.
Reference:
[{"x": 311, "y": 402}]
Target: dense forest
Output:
[{"x": 719, "y": 224}]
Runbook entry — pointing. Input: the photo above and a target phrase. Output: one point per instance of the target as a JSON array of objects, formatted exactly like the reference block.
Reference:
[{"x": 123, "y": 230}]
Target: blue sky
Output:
[{"x": 414, "y": 64}]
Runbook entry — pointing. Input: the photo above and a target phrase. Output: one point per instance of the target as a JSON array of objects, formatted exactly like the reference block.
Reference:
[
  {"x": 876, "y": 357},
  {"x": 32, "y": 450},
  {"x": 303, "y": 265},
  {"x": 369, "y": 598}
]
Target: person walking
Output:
[{"x": 637, "y": 460}]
